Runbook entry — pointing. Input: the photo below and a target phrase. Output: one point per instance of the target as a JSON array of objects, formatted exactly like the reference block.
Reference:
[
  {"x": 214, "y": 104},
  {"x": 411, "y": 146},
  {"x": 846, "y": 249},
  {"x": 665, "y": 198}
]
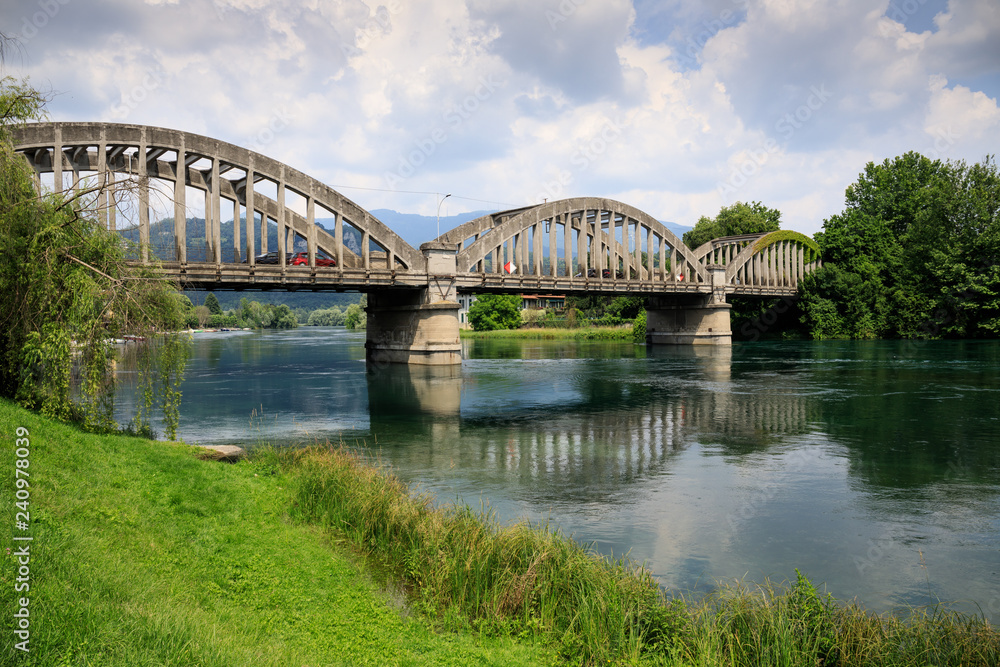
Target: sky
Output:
[{"x": 675, "y": 107}]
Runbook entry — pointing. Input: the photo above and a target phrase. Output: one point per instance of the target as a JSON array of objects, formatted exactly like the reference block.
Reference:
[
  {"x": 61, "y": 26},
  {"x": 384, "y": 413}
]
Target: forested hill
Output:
[
  {"x": 414, "y": 229},
  {"x": 307, "y": 301}
]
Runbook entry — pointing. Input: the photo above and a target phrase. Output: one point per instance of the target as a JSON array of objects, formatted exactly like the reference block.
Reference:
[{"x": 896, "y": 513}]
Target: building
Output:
[
  {"x": 528, "y": 302},
  {"x": 542, "y": 301},
  {"x": 464, "y": 302}
]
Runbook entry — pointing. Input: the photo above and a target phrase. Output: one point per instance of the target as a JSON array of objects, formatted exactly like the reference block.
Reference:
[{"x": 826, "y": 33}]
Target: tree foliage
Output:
[
  {"x": 495, "y": 311},
  {"x": 914, "y": 254},
  {"x": 740, "y": 218},
  {"x": 66, "y": 292},
  {"x": 326, "y": 317},
  {"x": 212, "y": 303},
  {"x": 354, "y": 317}
]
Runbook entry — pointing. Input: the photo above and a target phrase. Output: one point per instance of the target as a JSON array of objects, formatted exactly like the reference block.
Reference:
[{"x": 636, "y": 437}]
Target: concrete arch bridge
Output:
[{"x": 585, "y": 245}]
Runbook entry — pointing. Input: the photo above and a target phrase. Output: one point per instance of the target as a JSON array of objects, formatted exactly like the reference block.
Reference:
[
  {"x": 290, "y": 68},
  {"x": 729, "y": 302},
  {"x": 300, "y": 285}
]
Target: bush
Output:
[
  {"x": 355, "y": 317},
  {"x": 329, "y": 317},
  {"x": 490, "y": 312},
  {"x": 639, "y": 328}
]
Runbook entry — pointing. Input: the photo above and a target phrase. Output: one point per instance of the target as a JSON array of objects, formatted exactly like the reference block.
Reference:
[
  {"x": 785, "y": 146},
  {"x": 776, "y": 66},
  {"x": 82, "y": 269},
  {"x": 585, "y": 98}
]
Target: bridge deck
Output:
[{"x": 212, "y": 276}]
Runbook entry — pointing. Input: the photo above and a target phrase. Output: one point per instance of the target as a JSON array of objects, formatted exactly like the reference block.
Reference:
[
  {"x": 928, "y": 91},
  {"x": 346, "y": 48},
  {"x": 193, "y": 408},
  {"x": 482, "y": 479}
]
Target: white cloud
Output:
[
  {"x": 959, "y": 120},
  {"x": 658, "y": 104}
]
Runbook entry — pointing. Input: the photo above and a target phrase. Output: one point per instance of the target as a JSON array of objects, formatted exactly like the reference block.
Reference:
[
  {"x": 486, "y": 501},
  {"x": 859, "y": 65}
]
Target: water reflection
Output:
[
  {"x": 872, "y": 467},
  {"x": 570, "y": 429}
]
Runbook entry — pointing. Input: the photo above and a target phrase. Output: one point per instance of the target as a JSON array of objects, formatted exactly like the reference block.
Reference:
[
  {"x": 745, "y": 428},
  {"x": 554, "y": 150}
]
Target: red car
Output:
[{"x": 302, "y": 258}]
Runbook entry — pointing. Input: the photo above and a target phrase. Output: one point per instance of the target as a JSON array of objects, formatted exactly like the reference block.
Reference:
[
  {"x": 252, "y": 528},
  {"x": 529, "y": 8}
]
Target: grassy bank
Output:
[
  {"x": 582, "y": 333},
  {"x": 144, "y": 555},
  {"x": 470, "y": 572}
]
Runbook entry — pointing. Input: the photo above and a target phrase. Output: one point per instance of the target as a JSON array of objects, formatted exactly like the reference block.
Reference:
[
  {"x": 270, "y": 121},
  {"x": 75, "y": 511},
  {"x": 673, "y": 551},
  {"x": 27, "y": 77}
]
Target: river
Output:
[{"x": 872, "y": 467}]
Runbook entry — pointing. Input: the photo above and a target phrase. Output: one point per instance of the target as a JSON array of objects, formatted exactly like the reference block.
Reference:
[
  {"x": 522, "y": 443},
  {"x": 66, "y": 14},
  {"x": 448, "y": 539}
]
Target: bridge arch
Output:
[
  {"x": 600, "y": 239},
  {"x": 759, "y": 263},
  {"x": 223, "y": 171}
]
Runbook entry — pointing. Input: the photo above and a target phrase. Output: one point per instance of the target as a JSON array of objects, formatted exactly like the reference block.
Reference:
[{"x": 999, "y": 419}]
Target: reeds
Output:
[
  {"x": 466, "y": 569},
  {"x": 464, "y": 566},
  {"x": 771, "y": 624}
]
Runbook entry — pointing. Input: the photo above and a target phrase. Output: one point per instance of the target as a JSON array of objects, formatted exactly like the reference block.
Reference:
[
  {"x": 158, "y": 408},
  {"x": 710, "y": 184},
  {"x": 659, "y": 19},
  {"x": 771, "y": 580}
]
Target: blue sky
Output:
[{"x": 674, "y": 106}]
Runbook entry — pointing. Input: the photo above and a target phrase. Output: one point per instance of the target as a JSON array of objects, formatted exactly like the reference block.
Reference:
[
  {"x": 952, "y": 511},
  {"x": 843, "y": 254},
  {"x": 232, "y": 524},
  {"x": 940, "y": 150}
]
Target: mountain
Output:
[
  {"x": 416, "y": 229},
  {"x": 413, "y": 228}
]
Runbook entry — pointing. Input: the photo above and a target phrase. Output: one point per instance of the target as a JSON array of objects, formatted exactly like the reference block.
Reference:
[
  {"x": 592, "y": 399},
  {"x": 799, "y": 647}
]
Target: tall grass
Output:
[
  {"x": 747, "y": 626},
  {"x": 465, "y": 567}
]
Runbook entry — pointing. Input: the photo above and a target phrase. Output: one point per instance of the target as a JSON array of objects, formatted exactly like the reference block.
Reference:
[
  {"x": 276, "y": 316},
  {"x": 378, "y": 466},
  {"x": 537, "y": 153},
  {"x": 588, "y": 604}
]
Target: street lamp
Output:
[{"x": 439, "y": 214}]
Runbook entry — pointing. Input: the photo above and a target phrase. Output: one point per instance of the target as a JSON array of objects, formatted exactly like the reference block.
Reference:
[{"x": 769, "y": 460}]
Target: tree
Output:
[
  {"x": 354, "y": 317},
  {"x": 282, "y": 317},
  {"x": 212, "y": 303},
  {"x": 66, "y": 292},
  {"x": 203, "y": 314},
  {"x": 495, "y": 311},
  {"x": 914, "y": 254},
  {"x": 740, "y": 218},
  {"x": 246, "y": 314}
]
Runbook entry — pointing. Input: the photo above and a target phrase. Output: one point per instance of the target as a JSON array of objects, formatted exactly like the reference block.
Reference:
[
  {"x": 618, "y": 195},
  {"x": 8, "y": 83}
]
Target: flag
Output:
[{"x": 509, "y": 267}]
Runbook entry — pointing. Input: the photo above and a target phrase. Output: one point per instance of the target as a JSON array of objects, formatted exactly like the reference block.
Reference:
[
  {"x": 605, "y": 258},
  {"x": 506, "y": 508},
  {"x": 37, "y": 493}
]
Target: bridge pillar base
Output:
[
  {"x": 701, "y": 322},
  {"x": 418, "y": 326}
]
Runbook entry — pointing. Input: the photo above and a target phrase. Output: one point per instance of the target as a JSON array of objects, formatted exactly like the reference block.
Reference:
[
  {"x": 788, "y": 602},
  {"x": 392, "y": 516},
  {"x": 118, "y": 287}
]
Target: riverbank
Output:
[
  {"x": 529, "y": 581},
  {"x": 582, "y": 333},
  {"x": 144, "y": 554}
]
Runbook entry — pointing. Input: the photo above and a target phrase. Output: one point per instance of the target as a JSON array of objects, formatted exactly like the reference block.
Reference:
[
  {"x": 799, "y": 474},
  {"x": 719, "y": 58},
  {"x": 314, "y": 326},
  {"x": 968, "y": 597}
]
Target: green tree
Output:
[
  {"x": 212, "y": 303},
  {"x": 914, "y": 254},
  {"x": 495, "y": 311},
  {"x": 246, "y": 314},
  {"x": 627, "y": 307},
  {"x": 354, "y": 317},
  {"x": 740, "y": 218},
  {"x": 326, "y": 317},
  {"x": 66, "y": 291},
  {"x": 282, "y": 317}
]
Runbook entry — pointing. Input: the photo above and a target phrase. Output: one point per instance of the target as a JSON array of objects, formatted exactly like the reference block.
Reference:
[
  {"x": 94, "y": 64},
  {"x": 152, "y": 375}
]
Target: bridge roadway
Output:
[{"x": 583, "y": 245}]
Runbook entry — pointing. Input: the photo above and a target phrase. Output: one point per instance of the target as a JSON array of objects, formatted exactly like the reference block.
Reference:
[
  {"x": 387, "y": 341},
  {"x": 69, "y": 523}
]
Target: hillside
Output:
[{"x": 413, "y": 228}]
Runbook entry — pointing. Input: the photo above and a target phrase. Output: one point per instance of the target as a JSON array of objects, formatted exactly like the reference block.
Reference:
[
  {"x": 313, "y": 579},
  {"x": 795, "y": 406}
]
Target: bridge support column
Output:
[
  {"x": 418, "y": 326},
  {"x": 691, "y": 319}
]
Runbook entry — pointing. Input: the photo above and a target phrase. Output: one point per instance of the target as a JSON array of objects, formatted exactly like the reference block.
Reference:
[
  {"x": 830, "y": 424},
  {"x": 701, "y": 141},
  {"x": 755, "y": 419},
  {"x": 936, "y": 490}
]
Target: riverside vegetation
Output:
[
  {"x": 142, "y": 554},
  {"x": 145, "y": 554}
]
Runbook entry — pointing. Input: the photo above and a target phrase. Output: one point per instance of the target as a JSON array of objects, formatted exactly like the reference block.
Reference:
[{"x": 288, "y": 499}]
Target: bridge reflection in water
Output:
[
  {"x": 581, "y": 438},
  {"x": 704, "y": 462}
]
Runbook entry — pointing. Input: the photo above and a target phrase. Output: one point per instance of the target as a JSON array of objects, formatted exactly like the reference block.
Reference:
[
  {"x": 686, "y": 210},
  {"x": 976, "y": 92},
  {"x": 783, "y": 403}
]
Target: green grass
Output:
[
  {"x": 466, "y": 569},
  {"x": 145, "y": 555},
  {"x": 582, "y": 333},
  {"x": 768, "y": 624}
]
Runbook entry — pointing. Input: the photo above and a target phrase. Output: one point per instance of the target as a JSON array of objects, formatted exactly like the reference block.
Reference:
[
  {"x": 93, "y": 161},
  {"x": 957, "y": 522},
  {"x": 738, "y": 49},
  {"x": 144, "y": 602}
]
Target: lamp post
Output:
[{"x": 439, "y": 214}]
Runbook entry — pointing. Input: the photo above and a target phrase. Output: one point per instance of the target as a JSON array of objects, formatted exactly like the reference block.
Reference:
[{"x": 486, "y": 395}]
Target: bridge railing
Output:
[
  {"x": 762, "y": 262},
  {"x": 133, "y": 166},
  {"x": 576, "y": 240}
]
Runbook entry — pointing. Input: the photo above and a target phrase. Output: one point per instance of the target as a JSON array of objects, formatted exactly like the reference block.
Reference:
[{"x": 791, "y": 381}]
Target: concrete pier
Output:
[
  {"x": 691, "y": 319},
  {"x": 418, "y": 326}
]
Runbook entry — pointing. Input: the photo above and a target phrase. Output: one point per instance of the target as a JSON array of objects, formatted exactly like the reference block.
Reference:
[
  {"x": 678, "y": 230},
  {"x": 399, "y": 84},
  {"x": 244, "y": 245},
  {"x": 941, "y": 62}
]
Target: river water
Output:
[{"x": 872, "y": 467}]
